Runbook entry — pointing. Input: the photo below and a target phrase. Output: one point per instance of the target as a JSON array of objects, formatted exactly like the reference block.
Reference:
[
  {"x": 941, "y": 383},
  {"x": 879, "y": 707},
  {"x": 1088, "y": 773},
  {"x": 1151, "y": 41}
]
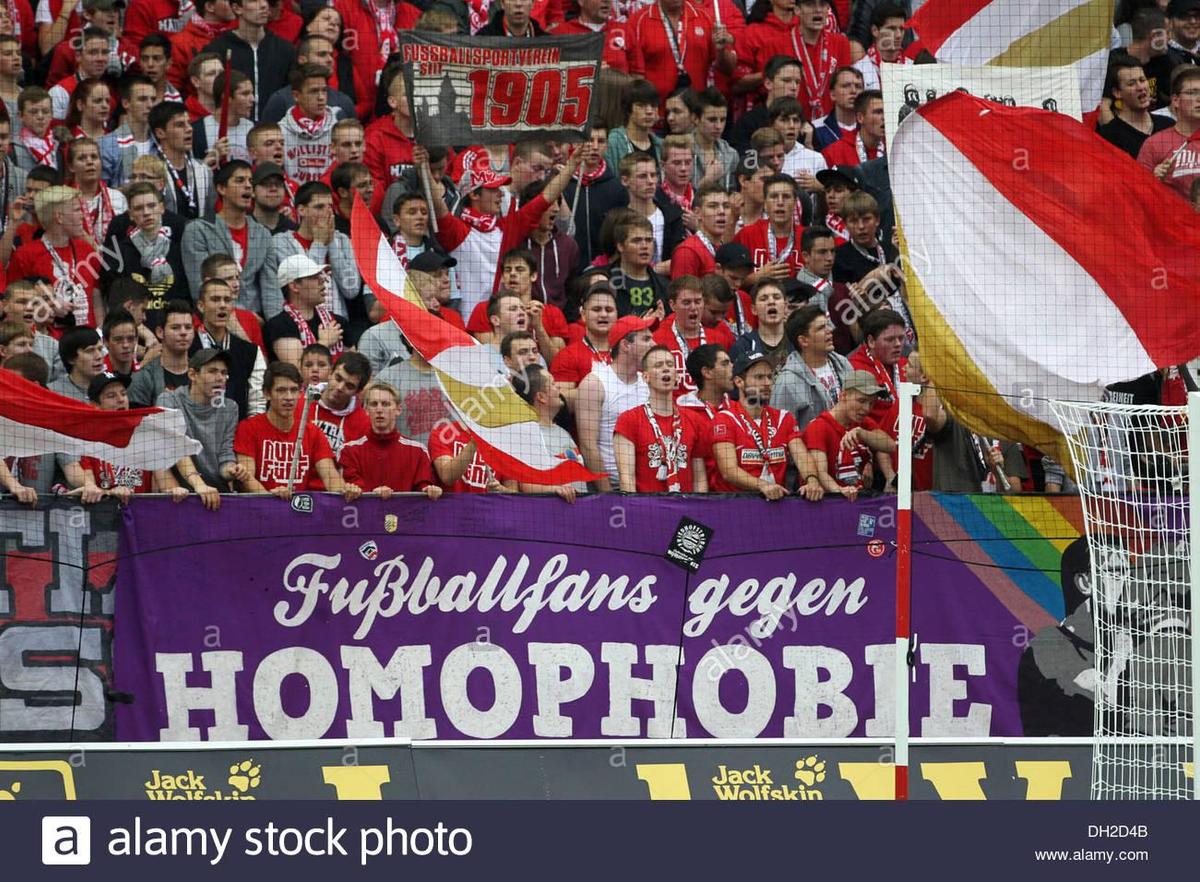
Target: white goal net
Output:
[{"x": 1132, "y": 468}]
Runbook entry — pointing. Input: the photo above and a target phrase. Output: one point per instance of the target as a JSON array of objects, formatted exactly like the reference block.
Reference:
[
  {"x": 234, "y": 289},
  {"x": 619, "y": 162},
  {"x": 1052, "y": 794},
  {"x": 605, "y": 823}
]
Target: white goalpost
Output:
[{"x": 1141, "y": 510}]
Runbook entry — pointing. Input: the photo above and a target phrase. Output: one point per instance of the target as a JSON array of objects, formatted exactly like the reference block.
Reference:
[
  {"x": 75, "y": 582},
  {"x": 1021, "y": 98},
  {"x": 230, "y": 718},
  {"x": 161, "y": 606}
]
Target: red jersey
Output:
[
  {"x": 150, "y": 17},
  {"x": 615, "y": 54},
  {"x": 271, "y": 450},
  {"x": 389, "y": 460},
  {"x": 287, "y": 26},
  {"x": 847, "y": 467},
  {"x": 886, "y": 410},
  {"x": 667, "y": 335},
  {"x": 922, "y": 466},
  {"x": 765, "y": 247},
  {"x": 109, "y": 477},
  {"x": 762, "y": 40},
  {"x": 553, "y": 320},
  {"x": 761, "y": 445},
  {"x": 576, "y": 360},
  {"x": 449, "y": 440},
  {"x": 704, "y": 414},
  {"x": 63, "y": 266},
  {"x": 694, "y": 257},
  {"x": 664, "y": 457},
  {"x": 846, "y": 151},
  {"x": 818, "y": 63},
  {"x": 652, "y": 55},
  {"x": 340, "y": 428},
  {"x": 196, "y": 34},
  {"x": 451, "y": 316},
  {"x": 387, "y": 152}
]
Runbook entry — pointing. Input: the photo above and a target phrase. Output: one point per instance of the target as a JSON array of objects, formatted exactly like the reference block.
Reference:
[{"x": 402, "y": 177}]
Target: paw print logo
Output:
[
  {"x": 245, "y": 776},
  {"x": 10, "y": 794},
  {"x": 810, "y": 771}
]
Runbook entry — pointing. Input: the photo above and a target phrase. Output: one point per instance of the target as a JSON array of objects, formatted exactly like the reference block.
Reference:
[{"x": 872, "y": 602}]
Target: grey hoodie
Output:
[
  {"x": 798, "y": 390},
  {"x": 213, "y": 426}
]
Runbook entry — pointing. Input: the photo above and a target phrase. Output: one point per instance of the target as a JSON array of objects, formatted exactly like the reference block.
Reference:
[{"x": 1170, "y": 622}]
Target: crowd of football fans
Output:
[{"x": 703, "y": 296}]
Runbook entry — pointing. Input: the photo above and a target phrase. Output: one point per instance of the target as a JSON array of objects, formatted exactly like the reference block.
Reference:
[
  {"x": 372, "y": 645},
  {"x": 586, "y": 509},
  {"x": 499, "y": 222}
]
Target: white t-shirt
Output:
[
  {"x": 801, "y": 159},
  {"x": 829, "y": 380},
  {"x": 658, "y": 222},
  {"x": 43, "y": 16}
]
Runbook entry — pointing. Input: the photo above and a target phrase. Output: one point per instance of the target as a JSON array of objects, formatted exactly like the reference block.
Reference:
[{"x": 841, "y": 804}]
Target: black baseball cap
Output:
[
  {"x": 747, "y": 361},
  {"x": 1180, "y": 8},
  {"x": 100, "y": 382},
  {"x": 847, "y": 174},
  {"x": 266, "y": 170},
  {"x": 734, "y": 255},
  {"x": 795, "y": 291},
  {"x": 430, "y": 260},
  {"x": 201, "y": 357}
]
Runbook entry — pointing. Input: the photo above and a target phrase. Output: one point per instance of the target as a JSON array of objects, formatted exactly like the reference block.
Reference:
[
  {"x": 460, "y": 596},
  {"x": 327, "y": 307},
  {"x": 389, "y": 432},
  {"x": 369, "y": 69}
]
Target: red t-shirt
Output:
[
  {"x": 449, "y": 440},
  {"x": 650, "y": 52},
  {"x": 389, "y": 460},
  {"x": 775, "y": 430},
  {"x": 666, "y": 336},
  {"x": 553, "y": 320},
  {"x": 703, "y": 413},
  {"x": 886, "y": 410},
  {"x": 451, "y": 316},
  {"x": 343, "y": 427},
  {"x": 271, "y": 450},
  {"x": 241, "y": 243},
  {"x": 922, "y": 467},
  {"x": 691, "y": 257},
  {"x": 109, "y": 476},
  {"x": 67, "y": 274},
  {"x": 757, "y": 239},
  {"x": 845, "y": 151},
  {"x": 576, "y": 360},
  {"x": 649, "y": 455},
  {"x": 845, "y": 466},
  {"x": 818, "y": 64}
]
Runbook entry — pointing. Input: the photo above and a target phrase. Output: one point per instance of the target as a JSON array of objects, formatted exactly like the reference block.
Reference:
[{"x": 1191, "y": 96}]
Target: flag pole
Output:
[
  {"x": 908, "y": 394},
  {"x": 587, "y": 136},
  {"x": 427, "y": 186},
  {"x": 311, "y": 394},
  {"x": 223, "y": 127}
]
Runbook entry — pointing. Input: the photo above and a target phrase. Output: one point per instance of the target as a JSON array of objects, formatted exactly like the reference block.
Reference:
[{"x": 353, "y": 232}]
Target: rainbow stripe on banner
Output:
[{"x": 1013, "y": 545}]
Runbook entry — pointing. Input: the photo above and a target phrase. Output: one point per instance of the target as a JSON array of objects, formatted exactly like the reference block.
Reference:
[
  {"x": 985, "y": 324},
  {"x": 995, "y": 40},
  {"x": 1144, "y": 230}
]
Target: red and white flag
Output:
[
  {"x": 1022, "y": 33},
  {"x": 35, "y": 421},
  {"x": 1039, "y": 265},
  {"x": 504, "y": 427}
]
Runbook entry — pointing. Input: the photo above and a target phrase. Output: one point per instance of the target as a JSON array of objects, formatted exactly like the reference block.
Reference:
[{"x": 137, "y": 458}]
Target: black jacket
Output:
[
  {"x": 674, "y": 231},
  {"x": 129, "y": 260},
  {"x": 267, "y": 68},
  {"x": 596, "y": 201}
]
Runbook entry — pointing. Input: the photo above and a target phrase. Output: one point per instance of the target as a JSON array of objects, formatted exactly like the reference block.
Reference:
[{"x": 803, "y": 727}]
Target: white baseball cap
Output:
[{"x": 297, "y": 266}]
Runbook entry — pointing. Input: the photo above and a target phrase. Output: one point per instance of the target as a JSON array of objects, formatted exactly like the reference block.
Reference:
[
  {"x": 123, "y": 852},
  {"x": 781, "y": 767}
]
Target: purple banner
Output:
[{"x": 511, "y": 617}]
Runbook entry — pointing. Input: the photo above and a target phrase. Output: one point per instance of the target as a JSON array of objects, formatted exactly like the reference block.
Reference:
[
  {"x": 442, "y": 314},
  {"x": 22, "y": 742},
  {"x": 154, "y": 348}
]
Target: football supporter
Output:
[
  {"x": 887, "y": 44},
  {"x": 799, "y": 161},
  {"x": 234, "y": 232},
  {"x": 304, "y": 319},
  {"x": 539, "y": 390},
  {"x": 382, "y": 461},
  {"x": 659, "y": 447},
  {"x": 677, "y": 166},
  {"x": 882, "y": 356},
  {"x": 100, "y": 202},
  {"x": 429, "y": 272},
  {"x": 752, "y": 441},
  {"x": 696, "y": 255},
  {"x": 34, "y": 143},
  {"x": 63, "y": 255},
  {"x": 338, "y": 412},
  {"x": 108, "y": 392},
  {"x": 821, "y": 51},
  {"x": 308, "y": 126},
  {"x": 774, "y": 241},
  {"x": 842, "y": 121},
  {"x": 683, "y": 330},
  {"x": 639, "y": 177},
  {"x": 203, "y": 70},
  {"x": 866, "y": 143},
  {"x": 518, "y": 351},
  {"x": 190, "y": 182},
  {"x": 811, "y": 378},
  {"x": 410, "y": 219},
  {"x": 95, "y": 46},
  {"x": 90, "y": 109},
  {"x": 839, "y": 182},
  {"x": 780, "y": 79},
  {"x": 607, "y": 392},
  {"x": 170, "y": 370},
  {"x": 120, "y": 147},
  {"x": 423, "y": 404},
  {"x": 711, "y": 370},
  {"x": 576, "y": 360},
  {"x": 555, "y": 254},
  {"x": 1172, "y": 153},
  {"x": 768, "y": 339},
  {"x": 518, "y": 274},
  {"x": 845, "y": 467},
  {"x": 818, "y": 250},
  {"x": 316, "y": 49},
  {"x": 272, "y": 197},
  {"x": 210, "y": 19},
  {"x": 715, "y": 160},
  {"x": 82, "y": 355},
  {"x": 1132, "y": 98},
  {"x": 317, "y": 238},
  {"x": 246, "y": 363},
  {"x": 514, "y": 20},
  {"x": 15, "y": 339},
  {"x": 206, "y": 141},
  {"x": 120, "y": 335},
  {"x": 602, "y": 191},
  {"x": 258, "y": 53},
  {"x": 595, "y": 16},
  {"x": 154, "y": 55},
  {"x": 388, "y": 147},
  {"x": 316, "y": 364},
  {"x": 639, "y": 289},
  {"x": 639, "y": 109},
  {"x": 458, "y": 465},
  {"x": 265, "y": 444}
]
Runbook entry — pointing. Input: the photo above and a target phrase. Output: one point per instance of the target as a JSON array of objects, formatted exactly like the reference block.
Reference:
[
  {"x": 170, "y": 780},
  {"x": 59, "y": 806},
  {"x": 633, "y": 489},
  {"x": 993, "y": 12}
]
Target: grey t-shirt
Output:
[
  {"x": 64, "y": 386},
  {"x": 422, "y": 403},
  {"x": 213, "y": 426}
]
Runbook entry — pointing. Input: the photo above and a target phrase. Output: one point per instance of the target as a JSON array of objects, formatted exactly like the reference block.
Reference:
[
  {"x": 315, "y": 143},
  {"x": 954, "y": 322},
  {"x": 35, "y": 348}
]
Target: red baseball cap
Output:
[
  {"x": 479, "y": 174},
  {"x": 625, "y": 326}
]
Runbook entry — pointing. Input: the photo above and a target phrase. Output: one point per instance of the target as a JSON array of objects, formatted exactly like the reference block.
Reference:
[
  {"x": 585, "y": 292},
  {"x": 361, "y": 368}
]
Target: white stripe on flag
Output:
[
  {"x": 985, "y": 265},
  {"x": 1000, "y": 24},
  {"x": 158, "y": 442}
]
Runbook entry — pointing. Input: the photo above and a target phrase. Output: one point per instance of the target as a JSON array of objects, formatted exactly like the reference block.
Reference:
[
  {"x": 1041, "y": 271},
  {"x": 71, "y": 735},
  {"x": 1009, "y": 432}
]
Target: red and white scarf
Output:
[
  {"x": 400, "y": 247},
  {"x": 684, "y": 199},
  {"x": 307, "y": 337},
  {"x": 44, "y": 150},
  {"x": 211, "y": 31},
  {"x": 313, "y": 128},
  {"x": 477, "y": 220},
  {"x": 384, "y": 16},
  {"x": 97, "y": 213},
  {"x": 837, "y": 226},
  {"x": 587, "y": 178}
]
